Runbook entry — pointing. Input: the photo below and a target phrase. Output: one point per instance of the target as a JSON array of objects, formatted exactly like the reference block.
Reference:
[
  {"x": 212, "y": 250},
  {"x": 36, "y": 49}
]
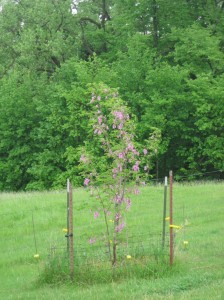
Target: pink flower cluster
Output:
[
  {"x": 100, "y": 119},
  {"x": 96, "y": 214},
  {"x": 128, "y": 203},
  {"x": 117, "y": 217},
  {"x": 118, "y": 199},
  {"x": 115, "y": 172},
  {"x": 94, "y": 97},
  {"x": 121, "y": 155},
  {"x": 130, "y": 147},
  {"x": 83, "y": 158},
  {"x": 86, "y": 181},
  {"x": 120, "y": 227},
  {"x": 136, "y": 191},
  {"x": 118, "y": 115},
  {"x": 100, "y": 127},
  {"x": 119, "y": 120},
  {"x": 136, "y": 166}
]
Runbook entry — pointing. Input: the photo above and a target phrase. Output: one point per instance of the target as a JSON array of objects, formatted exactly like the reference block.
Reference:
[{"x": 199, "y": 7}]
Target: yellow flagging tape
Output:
[
  {"x": 167, "y": 218},
  {"x": 175, "y": 226}
]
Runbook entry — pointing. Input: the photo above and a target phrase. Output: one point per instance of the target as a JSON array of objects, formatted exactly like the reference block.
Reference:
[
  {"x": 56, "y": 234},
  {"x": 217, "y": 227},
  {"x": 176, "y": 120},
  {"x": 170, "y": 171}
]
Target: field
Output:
[{"x": 32, "y": 224}]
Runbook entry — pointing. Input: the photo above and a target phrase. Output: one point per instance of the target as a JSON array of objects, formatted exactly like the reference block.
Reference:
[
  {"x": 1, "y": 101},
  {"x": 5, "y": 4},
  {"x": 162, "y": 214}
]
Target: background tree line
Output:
[{"x": 165, "y": 57}]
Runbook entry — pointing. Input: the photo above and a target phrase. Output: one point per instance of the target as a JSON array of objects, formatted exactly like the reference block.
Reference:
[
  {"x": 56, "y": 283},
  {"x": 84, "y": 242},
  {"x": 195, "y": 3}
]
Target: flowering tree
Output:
[{"x": 111, "y": 161}]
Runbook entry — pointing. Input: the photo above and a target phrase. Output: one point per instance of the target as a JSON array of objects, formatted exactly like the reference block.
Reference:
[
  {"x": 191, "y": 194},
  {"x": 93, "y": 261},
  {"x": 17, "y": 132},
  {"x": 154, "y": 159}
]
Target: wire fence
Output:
[{"x": 34, "y": 237}]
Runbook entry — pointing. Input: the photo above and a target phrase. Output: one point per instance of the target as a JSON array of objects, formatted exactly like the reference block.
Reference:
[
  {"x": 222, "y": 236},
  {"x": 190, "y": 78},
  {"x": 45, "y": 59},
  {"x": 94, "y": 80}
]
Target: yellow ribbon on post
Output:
[{"x": 175, "y": 226}]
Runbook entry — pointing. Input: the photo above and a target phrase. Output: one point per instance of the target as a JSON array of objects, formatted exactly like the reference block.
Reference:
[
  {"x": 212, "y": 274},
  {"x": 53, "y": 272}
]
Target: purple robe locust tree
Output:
[{"x": 111, "y": 161}]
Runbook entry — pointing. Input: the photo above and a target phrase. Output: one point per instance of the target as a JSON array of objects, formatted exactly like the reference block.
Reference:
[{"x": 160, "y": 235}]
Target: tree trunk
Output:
[{"x": 155, "y": 23}]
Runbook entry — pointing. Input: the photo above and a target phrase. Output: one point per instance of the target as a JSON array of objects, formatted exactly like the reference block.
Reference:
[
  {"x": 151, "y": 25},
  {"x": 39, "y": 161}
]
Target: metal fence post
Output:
[
  {"x": 70, "y": 234},
  {"x": 67, "y": 235}
]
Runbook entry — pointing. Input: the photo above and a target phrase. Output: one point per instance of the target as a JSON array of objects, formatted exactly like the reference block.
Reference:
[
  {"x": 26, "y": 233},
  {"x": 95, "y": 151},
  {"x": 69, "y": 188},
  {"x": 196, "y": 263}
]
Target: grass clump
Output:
[
  {"x": 91, "y": 272},
  {"x": 55, "y": 270}
]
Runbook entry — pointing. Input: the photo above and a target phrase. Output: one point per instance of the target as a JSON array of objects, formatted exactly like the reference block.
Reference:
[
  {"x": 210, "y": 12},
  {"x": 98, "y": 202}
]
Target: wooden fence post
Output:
[{"x": 70, "y": 233}]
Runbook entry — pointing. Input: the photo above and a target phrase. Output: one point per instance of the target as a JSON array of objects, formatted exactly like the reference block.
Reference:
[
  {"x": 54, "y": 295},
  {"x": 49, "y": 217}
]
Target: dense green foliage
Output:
[{"x": 165, "y": 57}]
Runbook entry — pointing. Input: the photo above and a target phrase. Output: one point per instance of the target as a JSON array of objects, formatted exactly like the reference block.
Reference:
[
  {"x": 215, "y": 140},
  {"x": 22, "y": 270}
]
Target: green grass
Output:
[{"x": 36, "y": 220}]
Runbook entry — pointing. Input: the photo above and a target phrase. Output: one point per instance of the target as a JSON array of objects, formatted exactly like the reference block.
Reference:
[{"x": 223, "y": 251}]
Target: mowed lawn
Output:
[{"x": 32, "y": 224}]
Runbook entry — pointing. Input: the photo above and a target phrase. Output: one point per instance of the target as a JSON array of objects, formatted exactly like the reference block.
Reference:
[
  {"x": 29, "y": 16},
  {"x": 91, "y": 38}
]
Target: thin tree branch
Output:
[{"x": 87, "y": 19}]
